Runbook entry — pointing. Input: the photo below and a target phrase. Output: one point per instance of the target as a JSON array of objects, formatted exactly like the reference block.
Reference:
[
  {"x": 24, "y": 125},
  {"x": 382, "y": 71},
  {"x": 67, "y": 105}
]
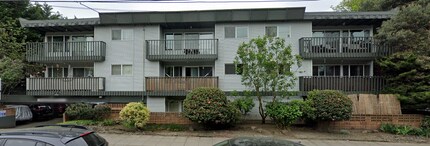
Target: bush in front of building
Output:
[
  {"x": 134, "y": 114},
  {"x": 84, "y": 111},
  {"x": 210, "y": 108},
  {"x": 244, "y": 103},
  {"x": 283, "y": 114},
  {"x": 330, "y": 105}
]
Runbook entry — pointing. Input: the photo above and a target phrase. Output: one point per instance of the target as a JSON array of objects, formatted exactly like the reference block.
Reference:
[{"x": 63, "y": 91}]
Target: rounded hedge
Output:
[
  {"x": 210, "y": 107},
  {"x": 330, "y": 105},
  {"x": 85, "y": 111},
  {"x": 135, "y": 114}
]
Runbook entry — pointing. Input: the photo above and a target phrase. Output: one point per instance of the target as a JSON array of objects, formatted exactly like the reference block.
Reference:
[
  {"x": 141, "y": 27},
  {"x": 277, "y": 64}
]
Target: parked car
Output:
[
  {"x": 257, "y": 141},
  {"x": 41, "y": 111},
  {"x": 59, "y": 109},
  {"x": 22, "y": 112},
  {"x": 52, "y": 135}
]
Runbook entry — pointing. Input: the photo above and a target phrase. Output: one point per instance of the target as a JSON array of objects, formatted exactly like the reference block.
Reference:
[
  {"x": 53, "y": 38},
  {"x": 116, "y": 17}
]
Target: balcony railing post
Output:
[{"x": 347, "y": 84}]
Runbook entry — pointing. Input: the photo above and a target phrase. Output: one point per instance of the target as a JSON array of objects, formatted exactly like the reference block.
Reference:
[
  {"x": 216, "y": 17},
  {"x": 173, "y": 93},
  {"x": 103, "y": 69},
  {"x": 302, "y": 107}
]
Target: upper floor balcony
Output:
[
  {"x": 184, "y": 49},
  {"x": 342, "y": 47},
  {"x": 53, "y": 52},
  {"x": 177, "y": 86}
]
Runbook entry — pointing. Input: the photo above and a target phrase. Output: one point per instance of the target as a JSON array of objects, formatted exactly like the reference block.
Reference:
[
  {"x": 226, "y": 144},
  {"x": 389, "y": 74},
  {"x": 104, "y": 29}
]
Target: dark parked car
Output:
[
  {"x": 42, "y": 111},
  {"x": 52, "y": 135},
  {"x": 59, "y": 109},
  {"x": 257, "y": 141}
]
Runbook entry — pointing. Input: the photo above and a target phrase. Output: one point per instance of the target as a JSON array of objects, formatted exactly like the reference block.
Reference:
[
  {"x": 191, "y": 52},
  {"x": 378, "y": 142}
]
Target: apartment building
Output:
[{"x": 158, "y": 57}]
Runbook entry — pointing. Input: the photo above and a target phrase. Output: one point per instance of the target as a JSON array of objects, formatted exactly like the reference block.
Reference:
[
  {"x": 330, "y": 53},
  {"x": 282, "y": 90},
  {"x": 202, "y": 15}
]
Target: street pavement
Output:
[{"x": 154, "y": 140}]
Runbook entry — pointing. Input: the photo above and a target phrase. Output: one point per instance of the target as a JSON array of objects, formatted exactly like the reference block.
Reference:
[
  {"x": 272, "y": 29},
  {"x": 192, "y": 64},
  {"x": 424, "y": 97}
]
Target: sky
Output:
[{"x": 72, "y": 9}]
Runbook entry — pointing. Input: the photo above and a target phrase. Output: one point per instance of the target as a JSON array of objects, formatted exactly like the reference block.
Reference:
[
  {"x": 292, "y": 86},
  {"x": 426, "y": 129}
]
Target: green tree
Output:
[
  {"x": 13, "y": 38},
  {"x": 370, "y": 5},
  {"x": 265, "y": 66}
]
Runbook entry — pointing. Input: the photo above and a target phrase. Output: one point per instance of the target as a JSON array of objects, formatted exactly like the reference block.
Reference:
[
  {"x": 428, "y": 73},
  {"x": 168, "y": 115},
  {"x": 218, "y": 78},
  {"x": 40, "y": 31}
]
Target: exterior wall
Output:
[
  {"x": 151, "y": 68},
  {"x": 227, "y": 48},
  {"x": 125, "y": 52},
  {"x": 156, "y": 104},
  {"x": 373, "y": 122}
]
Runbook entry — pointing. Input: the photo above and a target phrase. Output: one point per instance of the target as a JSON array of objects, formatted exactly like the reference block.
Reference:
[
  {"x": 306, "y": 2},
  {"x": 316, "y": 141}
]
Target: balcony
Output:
[
  {"x": 177, "y": 86},
  {"x": 342, "y": 47},
  {"x": 196, "y": 49},
  {"x": 53, "y": 52},
  {"x": 65, "y": 86},
  {"x": 366, "y": 84}
]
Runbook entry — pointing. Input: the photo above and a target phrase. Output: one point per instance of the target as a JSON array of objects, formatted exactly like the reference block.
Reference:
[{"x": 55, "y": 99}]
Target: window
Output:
[
  {"x": 173, "y": 71},
  {"x": 124, "y": 70},
  {"x": 229, "y": 32},
  {"x": 326, "y": 70},
  {"x": 231, "y": 69},
  {"x": 19, "y": 142},
  {"x": 122, "y": 34},
  {"x": 58, "y": 72},
  {"x": 174, "y": 105},
  {"x": 241, "y": 32},
  {"x": 236, "y": 32},
  {"x": 271, "y": 31},
  {"x": 83, "y": 72}
]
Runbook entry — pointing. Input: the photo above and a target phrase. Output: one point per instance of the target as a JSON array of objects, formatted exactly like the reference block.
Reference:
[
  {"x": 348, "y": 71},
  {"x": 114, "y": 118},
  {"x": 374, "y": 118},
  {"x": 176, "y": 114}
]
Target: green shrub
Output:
[
  {"x": 426, "y": 122},
  {"x": 83, "y": 111},
  {"x": 388, "y": 128},
  {"x": 134, "y": 114},
  {"x": 283, "y": 114},
  {"x": 308, "y": 112},
  {"x": 210, "y": 107},
  {"x": 101, "y": 111},
  {"x": 244, "y": 104},
  {"x": 404, "y": 130},
  {"x": 80, "y": 122},
  {"x": 330, "y": 105},
  {"x": 168, "y": 127},
  {"x": 80, "y": 111},
  {"x": 108, "y": 122}
]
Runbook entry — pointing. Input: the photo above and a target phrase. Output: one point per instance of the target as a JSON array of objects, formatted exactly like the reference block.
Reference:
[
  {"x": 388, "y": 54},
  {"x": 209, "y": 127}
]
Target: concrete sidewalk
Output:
[{"x": 154, "y": 140}]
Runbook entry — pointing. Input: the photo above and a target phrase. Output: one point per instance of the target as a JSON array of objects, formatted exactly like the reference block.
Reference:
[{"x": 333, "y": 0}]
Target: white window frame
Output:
[
  {"x": 349, "y": 69},
  {"x": 122, "y": 69},
  {"x": 247, "y": 31},
  {"x": 122, "y": 34},
  {"x": 277, "y": 29},
  {"x": 52, "y": 72}
]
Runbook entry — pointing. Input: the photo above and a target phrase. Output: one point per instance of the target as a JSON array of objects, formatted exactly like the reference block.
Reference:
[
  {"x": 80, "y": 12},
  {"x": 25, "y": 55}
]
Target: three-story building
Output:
[{"x": 159, "y": 56}]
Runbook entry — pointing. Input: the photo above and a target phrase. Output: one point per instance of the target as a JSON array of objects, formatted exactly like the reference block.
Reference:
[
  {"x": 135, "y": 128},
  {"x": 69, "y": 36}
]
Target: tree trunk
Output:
[{"x": 260, "y": 107}]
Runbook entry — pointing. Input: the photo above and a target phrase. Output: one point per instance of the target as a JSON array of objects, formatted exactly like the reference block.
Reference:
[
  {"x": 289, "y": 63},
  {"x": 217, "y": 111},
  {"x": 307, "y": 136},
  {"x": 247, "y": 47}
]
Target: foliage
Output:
[
  {"x": 13, "y": 38},
  {"x": 283, "y": 114},
  {"x": 168, "y": 127},
  {"x": 370, "y": 5},
  {"x": 426, "y": 122},
  {"x": 81, "y": 122},
  {"x": 407, "y": 75},
  {"x": 308, "y": 111},
  {"x": 135, "y": 114},
  {"x": 405, "y": 130},
  {"x": 266, "y": 66},
  {"x": 100, "y": 111},
  {"x": 330, "y": 105},
  {"x": 210, "y": 107},
  {"x": 107, "y": 122},
  {"x": 245, "y": 103},
  {"x": 80, "y": 111},
  {"x": 83, "y": 111}
]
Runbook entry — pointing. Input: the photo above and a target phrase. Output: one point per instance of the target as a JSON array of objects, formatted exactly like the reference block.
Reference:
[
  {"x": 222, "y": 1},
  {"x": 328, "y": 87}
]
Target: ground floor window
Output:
[
  {"x": 341, "y": 70},
  {"x": 174, "y": 105}
]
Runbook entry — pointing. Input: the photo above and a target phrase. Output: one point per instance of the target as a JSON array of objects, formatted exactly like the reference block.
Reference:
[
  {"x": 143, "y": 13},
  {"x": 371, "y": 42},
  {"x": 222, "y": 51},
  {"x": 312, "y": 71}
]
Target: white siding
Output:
[{"x": 290, "y": 31}]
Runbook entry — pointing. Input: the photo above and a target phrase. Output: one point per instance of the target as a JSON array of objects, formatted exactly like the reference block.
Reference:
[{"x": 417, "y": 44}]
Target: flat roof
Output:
[{"x": 212, "y": 17}]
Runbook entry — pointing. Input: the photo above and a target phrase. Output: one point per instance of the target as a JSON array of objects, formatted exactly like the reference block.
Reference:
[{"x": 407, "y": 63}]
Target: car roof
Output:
[{"x": 59, "y": 132}]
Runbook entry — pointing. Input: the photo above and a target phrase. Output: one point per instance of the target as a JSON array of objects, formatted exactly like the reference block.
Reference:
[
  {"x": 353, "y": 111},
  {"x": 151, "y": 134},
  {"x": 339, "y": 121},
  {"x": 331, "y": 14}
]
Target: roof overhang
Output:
[
  {"x": 348, "y": 18},
  {"x": 61, "y": 25},
  {"x": 211, "y": 16}
]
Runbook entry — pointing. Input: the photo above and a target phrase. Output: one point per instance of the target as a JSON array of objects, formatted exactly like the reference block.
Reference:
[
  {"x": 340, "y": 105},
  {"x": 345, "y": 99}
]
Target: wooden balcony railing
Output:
[
  {"x": 202, "y": 49},
  {"x": 364, "y": 84},
  {"x": 93, "y": 51},
  {"x": 87, "y": 84},
  {"x": 340, "y": 47},
  {"x": 181, "y": 84}
]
